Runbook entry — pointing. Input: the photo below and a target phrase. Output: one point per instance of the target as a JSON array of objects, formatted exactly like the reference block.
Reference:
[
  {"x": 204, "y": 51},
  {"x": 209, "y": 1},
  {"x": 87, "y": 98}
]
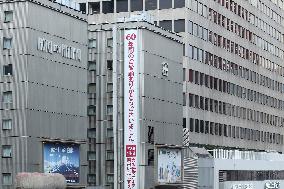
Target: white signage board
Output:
[
  {"x": 131, "y": 121},
  {"x": 169, "y": 165}
]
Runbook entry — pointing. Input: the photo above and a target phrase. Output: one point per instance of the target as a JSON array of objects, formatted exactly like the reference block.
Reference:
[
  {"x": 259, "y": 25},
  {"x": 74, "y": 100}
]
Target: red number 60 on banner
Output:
[{"x": 131, "y": 36}]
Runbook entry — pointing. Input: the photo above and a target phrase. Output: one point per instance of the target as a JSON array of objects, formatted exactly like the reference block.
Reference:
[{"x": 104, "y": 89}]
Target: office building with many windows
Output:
[
  {"x": 232, "y": 66},
  {"x": 43, "y": 79}
]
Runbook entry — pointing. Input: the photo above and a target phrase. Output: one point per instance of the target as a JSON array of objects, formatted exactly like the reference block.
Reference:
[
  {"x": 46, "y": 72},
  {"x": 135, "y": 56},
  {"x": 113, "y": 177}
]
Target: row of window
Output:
[
  {"x": 239, "y": 50},
  {"x": 224, "y": 108},
  {"x": 235, "y": 90},
  {"x": 248, "y": 16},
  {"x": 246, "y": 175},
  {"x": 92, "y": 156},
  {"x": 198, "y": 54},
  {"x": 219, "y": 129},
  {"x": 244, "y": 33},
  {"x": 92, "y": 110},
  {"x": 109, "y": 178},
  {"x": 135, "y": 5},
  {"x": 230, "y": 67},
  {"x": 268, "y": 11}
]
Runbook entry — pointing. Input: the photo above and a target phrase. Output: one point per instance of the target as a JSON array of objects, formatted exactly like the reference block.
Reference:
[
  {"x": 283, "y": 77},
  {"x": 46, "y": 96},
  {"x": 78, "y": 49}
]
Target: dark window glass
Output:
[
  {"x": 165, "y": 4},
  {"x": 151, "y": 157},
  {"x": 108, "y": 6},
  {"x": 191, "y": 125},
  {"x": 109, "y": 64},
  {"x": 136, "y": 5},
  {"x": 179, "y": 3},
  {"x": 184, "y": 123},
  {"x": 82, "y": 7},
  {"x": 121, "y": 5},
  {"x": 8, "y": 69},
  {"x": 179, "y": 25},
  {"x": 94, "y": 8},
  {"x": 150, "y": 4},
  {"x": 166, "y": 24}
]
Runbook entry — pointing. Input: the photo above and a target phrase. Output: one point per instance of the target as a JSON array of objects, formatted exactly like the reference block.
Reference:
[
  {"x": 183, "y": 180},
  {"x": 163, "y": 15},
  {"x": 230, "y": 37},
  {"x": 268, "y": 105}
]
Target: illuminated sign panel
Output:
[
  {"x": 63, "y": 158},
  {"x": 169, "y": 165}
]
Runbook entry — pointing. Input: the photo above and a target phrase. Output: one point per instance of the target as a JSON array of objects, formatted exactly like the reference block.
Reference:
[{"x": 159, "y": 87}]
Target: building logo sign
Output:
[
  {"x": 165, "y": 69},
  {"x": 131, "y": 121},
  {"x": 66, "y": 51},
  {"x": 272, "y": 185},
  {"x": 242, "y": 186}
]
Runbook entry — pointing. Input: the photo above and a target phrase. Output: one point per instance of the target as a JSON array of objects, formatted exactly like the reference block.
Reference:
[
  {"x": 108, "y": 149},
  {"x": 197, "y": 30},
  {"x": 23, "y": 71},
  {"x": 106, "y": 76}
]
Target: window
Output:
[
  {"x": 109, "y": 155},
  {"x": 8, "y": 69},
  {"x": 151, "y": 157},
  {"x": 150, "y": 4},
  {"x": 109, "y": 109},
  {"x": 82, "y": 7},
  {"x": 92, "y": 178},
  {"x": 136, "y": 5},
  {"x": 92, "y": 88},
  {"x": 165, "y": 4},
  {"x": 92, "y": 43},
  {"x": 179, "y": 26},
  {"x": 7, "y": 97},
  {"x": 109, "y": 42},
  {"x": 91, "y": 155},
  {"x": 121, "y": 5},
  {"x": 109, "y": 64},
  {"x": 108, "y": 6},
  {"x": 7, "y": 43},
  {"x": 109, "y": 133},
  {"x": 91, "y": 110},
  {"x": 179, "y": 3},
  {"x": 190, "y": 27},
  {"x": 6, "y": 151},
  {"x": 92, "y": 66},
  {"x": 7, "y": 178},
  {"x": 91, "y": 133},
  {"x": 109, "y": 87},
  {"x": 110, "y": 178},
  {"x": 166, "y": 24},
  {"x": 94, "y": 7},
  {"x": 8, "y": 16},
  {"x": 7, "y": 124}
]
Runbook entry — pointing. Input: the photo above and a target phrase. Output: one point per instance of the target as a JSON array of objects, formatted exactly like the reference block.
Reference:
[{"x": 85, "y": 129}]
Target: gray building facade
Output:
[
  {"x": 43, "y": 85},
  {"x": 232, "y": 66},
  {"x": 160, "y": 83}
]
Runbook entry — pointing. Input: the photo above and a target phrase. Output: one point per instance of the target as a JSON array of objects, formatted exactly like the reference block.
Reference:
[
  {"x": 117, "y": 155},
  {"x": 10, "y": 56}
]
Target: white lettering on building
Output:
[
  {"x": 65, "y": 50},
  {"x": 242, "y": 186},
  {"x": 272, "y": 185}
]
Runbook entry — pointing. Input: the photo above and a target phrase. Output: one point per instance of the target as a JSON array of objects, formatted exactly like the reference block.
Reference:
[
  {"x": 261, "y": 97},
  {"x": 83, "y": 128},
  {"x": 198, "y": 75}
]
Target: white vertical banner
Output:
[{"x": 131, "y": 119}]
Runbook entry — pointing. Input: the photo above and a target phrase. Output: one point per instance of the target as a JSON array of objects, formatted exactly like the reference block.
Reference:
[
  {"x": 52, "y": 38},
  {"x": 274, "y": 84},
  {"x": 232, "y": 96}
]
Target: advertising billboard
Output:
[
  {"x": 131, "y": 122},
  {"x": 169, "y": 165},
  {"x": 63, "y": 158}
]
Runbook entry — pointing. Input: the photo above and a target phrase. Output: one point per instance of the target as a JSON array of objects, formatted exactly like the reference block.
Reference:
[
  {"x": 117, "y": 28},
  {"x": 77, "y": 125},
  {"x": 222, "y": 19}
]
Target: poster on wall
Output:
[
  {"x": 63, "y": 158},
  {"x": 169, "y": 165},
  {"x": 131, "y": 122}
]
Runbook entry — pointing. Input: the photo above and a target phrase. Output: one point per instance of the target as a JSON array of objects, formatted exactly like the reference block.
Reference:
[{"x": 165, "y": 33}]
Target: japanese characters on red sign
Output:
[{"x": 130, "y": 109}]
